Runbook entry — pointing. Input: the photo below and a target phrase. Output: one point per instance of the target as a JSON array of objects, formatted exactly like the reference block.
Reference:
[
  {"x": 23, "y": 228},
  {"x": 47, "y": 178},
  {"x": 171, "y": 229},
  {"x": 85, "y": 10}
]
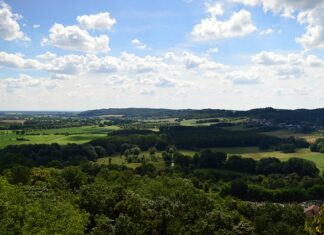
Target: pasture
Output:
[
  {"x": 255, "y": 153},
  {"x": 76, "y": 135}
]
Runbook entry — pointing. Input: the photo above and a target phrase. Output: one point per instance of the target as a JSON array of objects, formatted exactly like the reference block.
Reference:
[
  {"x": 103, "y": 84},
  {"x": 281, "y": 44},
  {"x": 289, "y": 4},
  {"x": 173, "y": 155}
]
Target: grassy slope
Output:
[{"x": 78, "y": 135}]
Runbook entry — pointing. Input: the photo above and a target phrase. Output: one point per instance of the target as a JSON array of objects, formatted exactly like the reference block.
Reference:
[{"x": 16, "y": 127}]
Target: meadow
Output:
[
  {"x": 76, "y": 135},
  {"x": 257, "y": 154}
]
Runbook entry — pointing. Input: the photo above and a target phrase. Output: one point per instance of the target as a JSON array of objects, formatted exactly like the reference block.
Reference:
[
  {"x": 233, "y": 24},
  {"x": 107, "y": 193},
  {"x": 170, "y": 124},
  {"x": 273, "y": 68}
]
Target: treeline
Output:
[
  {"x": 318, "y": 146},
  {"x": 258, "y": 193},
  {"x": 265, "y": 166},
  {"x": 48, "y": 155},
  {"x": 208, "y": 120},
  {"x": 213, "y": 136},
  {"x": 43, "y": 123}
]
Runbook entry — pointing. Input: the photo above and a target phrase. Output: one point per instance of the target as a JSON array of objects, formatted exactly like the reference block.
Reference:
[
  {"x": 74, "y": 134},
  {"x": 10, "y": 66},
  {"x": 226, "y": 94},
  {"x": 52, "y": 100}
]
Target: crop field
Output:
[{"x": 77, "y": 135}]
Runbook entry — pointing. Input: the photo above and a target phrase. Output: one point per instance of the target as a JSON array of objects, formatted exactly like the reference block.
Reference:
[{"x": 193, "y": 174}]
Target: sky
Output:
[{"x": 225, "y": 54}]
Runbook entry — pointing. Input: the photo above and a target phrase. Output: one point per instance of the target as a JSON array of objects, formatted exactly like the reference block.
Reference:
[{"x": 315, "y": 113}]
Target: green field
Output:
[
  {"x": 77, "y": 135},
  {"x": 286, "y": 134},
  {"x": 255, "y": 153}
]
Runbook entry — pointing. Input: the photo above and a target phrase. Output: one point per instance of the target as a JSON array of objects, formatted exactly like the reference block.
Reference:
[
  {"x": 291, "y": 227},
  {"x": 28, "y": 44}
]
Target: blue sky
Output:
[{"x": 235, "y": 54}]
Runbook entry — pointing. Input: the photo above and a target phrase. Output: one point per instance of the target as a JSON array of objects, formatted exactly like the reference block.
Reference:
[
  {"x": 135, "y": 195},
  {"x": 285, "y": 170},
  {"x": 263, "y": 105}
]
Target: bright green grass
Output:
[
  {"x": 255, "y": 153},
  {"x": 193, "y": 122},
  {"x": 10, "y": 139},
  {"x": 79, "y": 130},
  {"x": 77, "y": 135}
]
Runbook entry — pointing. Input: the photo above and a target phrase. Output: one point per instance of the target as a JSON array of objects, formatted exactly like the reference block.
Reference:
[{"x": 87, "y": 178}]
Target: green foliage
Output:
[
  {"x": 315, "y": 225},
  {"x": 25, "y": 213}
]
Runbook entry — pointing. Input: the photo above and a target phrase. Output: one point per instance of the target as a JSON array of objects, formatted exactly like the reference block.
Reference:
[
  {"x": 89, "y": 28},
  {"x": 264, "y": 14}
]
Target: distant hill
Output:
[
  {"x": 157, "y": 113},
  {"x": 298, "y": 116}
]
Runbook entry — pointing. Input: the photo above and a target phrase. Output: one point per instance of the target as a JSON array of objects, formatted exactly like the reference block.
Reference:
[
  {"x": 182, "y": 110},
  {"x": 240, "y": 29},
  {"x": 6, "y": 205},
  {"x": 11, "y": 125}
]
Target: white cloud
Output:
[
  {"x": 26, "y": 82},
  {"x": 36, "y": 26},
  {"x": 309, "y": 12},
  {"x": 214, "y": 9},
  {"x": 18, "y": 61},
  {"x": 283, "y": 7},
  {"x": 289, "y": 72},
  {"x": 76, "y": 39},
  {"x": 246, "y": 2},
  {"x": 100, "y": 21},
  {"x": 266, "y": 32},
  {"x": 314, "y": 20},
  {"x": 288, "y": 66},
  {"x": 314, "y": 61},
  {"x": 268, "y": 58},
  {"x": 240, "y": 24},
  {"x": 46, "y": 56},
  {"x": 138, "y": 44},
  {"x": 9, "y": 27},
  {"x": 176, "y": 79},
  {"x": 243, "y": 77}
]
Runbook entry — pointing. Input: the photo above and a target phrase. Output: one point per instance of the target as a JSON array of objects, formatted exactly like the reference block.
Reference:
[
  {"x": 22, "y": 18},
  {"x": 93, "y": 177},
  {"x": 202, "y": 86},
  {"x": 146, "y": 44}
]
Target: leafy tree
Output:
[
  {"x": 74, "y": 177},
  {"x": 210, "y": 159},
  {"x": 181, "y": 160},
  {"x": 237, "y": 163},
  {"x": 302, "y": 167},
  {"x": 18, "y": 174}
]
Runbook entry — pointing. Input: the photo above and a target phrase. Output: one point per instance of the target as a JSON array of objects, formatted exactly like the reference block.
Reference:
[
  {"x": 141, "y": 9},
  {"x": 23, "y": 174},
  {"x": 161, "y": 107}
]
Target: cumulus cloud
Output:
[
  {"x": 269, "y": 58},
  {"x": 25, "y": 82},
  {"x": 191, "y": 61},
  {"x": 214, "y": 9},
  {"x": 308, "y": 13},
  {"x": 245, "y": 77},
  {"x": 288, "y": 66},
  {"x": 46, "y": 56},
  {"x": 9, "y": 26},
  {"x": 289, "y": 72},
  {"x": 100, "y": 21},
  {"x": 314, "y": 20},
  {"x": 240, "y": 24},
  {"x": 76, "y": 39},
  {"x": 283, "y": 7},
  {"x": 19, "y": 61},
  {"x": 138, "y": 44}
]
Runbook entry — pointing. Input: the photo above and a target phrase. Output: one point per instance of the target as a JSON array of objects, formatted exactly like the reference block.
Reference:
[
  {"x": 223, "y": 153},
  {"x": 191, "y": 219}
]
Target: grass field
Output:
[
  {"x": 255, "y": 153},
  {"x": 286, "y": 134},
  {"x": 77, "y": 135}
]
